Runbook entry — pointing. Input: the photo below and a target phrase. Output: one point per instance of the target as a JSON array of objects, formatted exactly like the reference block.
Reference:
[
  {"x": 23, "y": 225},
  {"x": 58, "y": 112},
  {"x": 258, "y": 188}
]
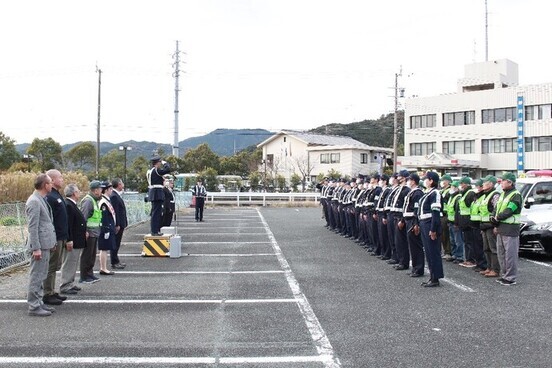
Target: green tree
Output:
[
  {"x": 295, "y": 180},
  {"x": 333, "y": 174},
  {"x": 82, "y": 157},
  {"x": 254, "y": 178},
  {"x": 111, "y": 165},
  {"x": 8, "y": 152},
  {"x": 281, "y": 182},
  {"x": 210, "y": 180},
  {"x": 201, "y": 158},
  {"x": 47, "y": 153},
  {"x": 136, "y": 174}
]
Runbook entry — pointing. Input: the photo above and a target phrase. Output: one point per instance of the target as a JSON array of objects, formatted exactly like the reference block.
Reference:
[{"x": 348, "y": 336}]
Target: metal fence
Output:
[{"x": 13, "y": 225}]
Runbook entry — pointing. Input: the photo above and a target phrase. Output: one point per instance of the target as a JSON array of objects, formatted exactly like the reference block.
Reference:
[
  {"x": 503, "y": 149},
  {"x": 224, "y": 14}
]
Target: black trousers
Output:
[
  {"x": 401, "y": 244},
  {"x": 416, "y": 248},
  {"x": 156, "y": 213},
  {"x": 115, "y": 250},
  {"x": 88, "y": 258},
  {"x": 200, "y": 203}
]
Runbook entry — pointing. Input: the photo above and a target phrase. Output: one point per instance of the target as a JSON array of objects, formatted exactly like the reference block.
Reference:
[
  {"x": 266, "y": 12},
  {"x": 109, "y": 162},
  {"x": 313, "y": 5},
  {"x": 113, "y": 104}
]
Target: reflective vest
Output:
[
  {"x": 502, "y": 204},
  {"x": 464, "y": 210},
  {"x": 449, "y": 207},
  {"x": 95, "y": 220},
  {"x": 474, "y": 209},
  {"x": 484, "y": 207}
]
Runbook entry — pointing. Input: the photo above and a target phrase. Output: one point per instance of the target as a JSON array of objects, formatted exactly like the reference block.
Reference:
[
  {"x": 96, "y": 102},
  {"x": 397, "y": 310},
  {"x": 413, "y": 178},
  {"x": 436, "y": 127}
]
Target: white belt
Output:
[
  {"x": 409, "y": 214},
  {"x": 155, "y": 186},
  {"x": 425, "y": 216}
]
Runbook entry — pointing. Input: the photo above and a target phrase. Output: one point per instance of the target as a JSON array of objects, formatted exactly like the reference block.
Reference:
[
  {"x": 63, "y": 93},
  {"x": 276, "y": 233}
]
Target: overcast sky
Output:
[{"x": 271, "y": 64}]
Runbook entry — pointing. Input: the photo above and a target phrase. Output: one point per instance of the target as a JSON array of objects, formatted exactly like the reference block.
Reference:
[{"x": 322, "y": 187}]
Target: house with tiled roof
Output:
[{"x": 308, "y": 155}]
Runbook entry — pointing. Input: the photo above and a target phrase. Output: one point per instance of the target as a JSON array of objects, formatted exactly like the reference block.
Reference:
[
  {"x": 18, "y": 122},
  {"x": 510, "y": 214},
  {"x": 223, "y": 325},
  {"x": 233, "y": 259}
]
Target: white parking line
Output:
[
  {"x": 453, "y": 283},
  {"x": 319, "y": 338},
  {"x": 166, "y": 360},
  {"x": 539, "y": 263},
  {"x": 162, "y": 301},
  {"x": 205, "y": 255}
]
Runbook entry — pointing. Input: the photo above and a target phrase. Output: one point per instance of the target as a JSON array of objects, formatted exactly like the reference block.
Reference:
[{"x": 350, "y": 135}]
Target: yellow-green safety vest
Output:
[
  {"x": 502, "y": 204},
  {"x": 95, "y": 220},
  {"x": 449, "y": 207},
  {"x": 464, "y": 210},
  {"x": 474, "y": 209},
  {"x": 484, "y": 207}
]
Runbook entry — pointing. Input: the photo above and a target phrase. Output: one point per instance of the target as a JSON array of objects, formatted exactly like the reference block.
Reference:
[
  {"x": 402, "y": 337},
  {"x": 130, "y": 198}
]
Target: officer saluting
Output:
[{"x": 155, "y": 191}]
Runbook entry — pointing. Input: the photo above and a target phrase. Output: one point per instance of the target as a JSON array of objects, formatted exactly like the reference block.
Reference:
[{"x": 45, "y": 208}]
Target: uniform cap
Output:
[
  {"x": 490, "y": 178},
  {"x": 385, "y": 178},
  {"x": 376, "y": 176},
  {"x": 465, "y": 180},
  {"x": 404, "y": 173},
  {"x": 509, "y": 176},
  {"x": 105, "y": 184},
  {"x": 432, "y": 175},
  {"x": 479, "y": 183},
  {"x": 455, "y": 183},
  {"x": 414, "y": 177},
  {"x": 155, "y": 159},
  {"x": 446, "y": 177},
  {"x": 95, "y": 184}
]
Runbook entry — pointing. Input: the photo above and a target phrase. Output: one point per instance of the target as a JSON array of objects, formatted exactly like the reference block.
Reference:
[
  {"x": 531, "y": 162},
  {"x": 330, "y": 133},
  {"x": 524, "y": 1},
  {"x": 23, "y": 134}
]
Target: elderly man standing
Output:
[
  {"x": 59, "y": 211},
  {"x": 118, "y": 204},
  {"x": 506, "y": 218},
  {"x": 75, "y": 242},
  {"x": 41, "y": 240}
]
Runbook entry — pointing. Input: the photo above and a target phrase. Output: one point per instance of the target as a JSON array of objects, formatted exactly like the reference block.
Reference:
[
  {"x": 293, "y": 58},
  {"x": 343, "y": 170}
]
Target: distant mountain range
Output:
[{"x": 226, "y": 142}]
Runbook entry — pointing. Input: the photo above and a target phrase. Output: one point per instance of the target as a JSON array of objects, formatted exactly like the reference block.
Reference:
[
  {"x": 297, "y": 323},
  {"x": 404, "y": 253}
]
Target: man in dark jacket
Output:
[
  {"x": 57, "y": 204},
  {"x": 76, "y": 240},
  {"x": 155, "y": 192},
  {"x": 122, "y": 221},
  {"x": 463, "y": 220},
  {"x": 169, "y": 205}
]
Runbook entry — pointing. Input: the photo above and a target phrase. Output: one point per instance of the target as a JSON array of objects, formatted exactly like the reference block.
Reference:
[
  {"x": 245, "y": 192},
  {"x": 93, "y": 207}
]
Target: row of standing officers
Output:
[{"x": 403, "y": 223}]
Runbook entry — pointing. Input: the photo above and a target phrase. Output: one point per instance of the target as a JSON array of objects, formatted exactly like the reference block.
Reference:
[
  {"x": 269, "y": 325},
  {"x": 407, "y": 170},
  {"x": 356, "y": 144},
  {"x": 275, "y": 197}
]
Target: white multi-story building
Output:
[
  {"x": 288, "y": 152},
  {"x": 490, "y": 125}
]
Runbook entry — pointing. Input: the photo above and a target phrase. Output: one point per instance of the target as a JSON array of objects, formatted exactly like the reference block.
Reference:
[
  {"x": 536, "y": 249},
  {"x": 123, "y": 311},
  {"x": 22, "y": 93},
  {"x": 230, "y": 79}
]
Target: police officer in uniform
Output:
[
  {"x": 155, "y": 192},
  {"x": 383, "y": 240},
  {"x": 388, "y": 219},
  {"x": 372, "y": 222},
  {"x": 401, "y": 244},
  {"x": 429, "y": 218},
  {"x": 411, "y": 224}
]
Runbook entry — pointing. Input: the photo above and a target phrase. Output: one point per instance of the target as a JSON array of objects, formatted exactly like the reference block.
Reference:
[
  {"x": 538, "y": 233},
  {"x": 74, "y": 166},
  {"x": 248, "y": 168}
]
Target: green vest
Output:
[
  {"x": 95, "y": 220},
  {"x": 502, "y": 204},
  {"x": 449, "y": 206},
  {"x": 464, "y": 210},
  {"x": 484, "y": 207},
  {"x": 474, "y": 209}
]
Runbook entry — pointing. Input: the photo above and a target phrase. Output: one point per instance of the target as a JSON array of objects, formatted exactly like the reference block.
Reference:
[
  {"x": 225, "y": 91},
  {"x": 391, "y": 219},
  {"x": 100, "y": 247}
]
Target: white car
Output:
[{"x": 536, "y": 219}]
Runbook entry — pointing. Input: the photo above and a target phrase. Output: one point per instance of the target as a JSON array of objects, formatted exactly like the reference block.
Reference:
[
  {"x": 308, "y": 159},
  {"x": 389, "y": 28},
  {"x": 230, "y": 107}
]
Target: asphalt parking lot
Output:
[{"x": 271, "y": 287}]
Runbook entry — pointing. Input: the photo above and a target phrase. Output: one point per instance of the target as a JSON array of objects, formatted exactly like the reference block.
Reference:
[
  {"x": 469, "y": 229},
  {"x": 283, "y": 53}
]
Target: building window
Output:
[
  {"x": 499, "y": 145},
  {"x": 544, "y": 144},
  {"x": 285, "y": 139},
  {"x": 422, "y": 149},
  {"x": 363, "y": 158},
  {"x": 334, "y": 158},
  {"x": 498, "y": 115},
  {"x": 423, "y": 121},
  {"x": 459, "y": 118},
  {"x": 324, "y": 158},
  {"x": 538, "y": 112},
  {"x": 458, "y": 147}
]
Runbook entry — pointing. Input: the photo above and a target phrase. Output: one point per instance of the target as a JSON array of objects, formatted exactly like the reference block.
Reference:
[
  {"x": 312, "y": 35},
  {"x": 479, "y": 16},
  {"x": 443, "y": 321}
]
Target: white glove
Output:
[{"x": 106, "y": 236}]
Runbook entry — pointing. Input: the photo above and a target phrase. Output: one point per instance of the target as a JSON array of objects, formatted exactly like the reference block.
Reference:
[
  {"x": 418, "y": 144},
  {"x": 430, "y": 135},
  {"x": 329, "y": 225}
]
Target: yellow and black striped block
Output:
[{"x": 156, "y": 246}]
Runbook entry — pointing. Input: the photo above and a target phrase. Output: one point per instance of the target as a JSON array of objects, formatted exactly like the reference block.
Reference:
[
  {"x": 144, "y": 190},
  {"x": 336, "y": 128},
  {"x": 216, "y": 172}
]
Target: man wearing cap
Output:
[
  {"x": 199, "y": 192},
  {"x": 456, "y": 236},
  {"x": 155, "y": 192},
  {"x": 383, "y": 239},
  {"x": 414, "y": 239},
  {"x": 487, "y": 205},
  {"x": 330, "y": 219},
  {"x": 463, "y": 212},
  {"x": 446, "y": 180},
  {"x": 389, "y": 220},
  {"x": 361, "y": 196},
  {"x": 506, "y": 218},
  {"x": 323, "y": 187},
  {"x": 372, "y": 222},
  {"x": 429, "y": 218},
  {"x": 475, "y": 219},
  {"x": 401, "y": 243},
  {"x": 91, "y": 212}
]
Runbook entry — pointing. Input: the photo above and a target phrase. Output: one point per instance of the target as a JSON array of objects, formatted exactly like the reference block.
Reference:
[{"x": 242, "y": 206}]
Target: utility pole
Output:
[
  {"x": 176, "y": 75},
  {"x": 486, "y": 32},
  {"x": 99, "y": 71},
  {"x": 395, "y": 121}
]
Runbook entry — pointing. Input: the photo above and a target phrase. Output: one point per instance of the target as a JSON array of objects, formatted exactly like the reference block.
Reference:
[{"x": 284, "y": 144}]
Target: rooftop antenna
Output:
[
  {"x": 486, "y": 32},
  {"x": 176, "y": 75}
]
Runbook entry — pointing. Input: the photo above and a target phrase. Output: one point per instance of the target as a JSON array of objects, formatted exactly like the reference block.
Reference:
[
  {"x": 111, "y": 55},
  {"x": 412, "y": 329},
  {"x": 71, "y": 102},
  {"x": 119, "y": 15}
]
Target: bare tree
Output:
[{"x": 303, "y": 166}]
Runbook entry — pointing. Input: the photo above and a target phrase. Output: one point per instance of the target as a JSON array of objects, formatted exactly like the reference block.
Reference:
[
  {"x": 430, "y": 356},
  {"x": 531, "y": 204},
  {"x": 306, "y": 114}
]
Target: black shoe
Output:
[
  {"x": 157, "y": 234},
  {"x": 432, "y": 283},
  {"x": 413, "y": 274},
  {"x": 62, "y": 298},
  {"x": 374, "y": 254},
  {"x": 401, "y": 267},
  {"x": 51, "y": 300},
  {"x": 379, "y": 256},
  {"x": 385, "y": 258},
  {"x": 118, "y": 266},
  {"x": 69, "y": 291},
  {"x": 76, "y": 288},
  {"x": 107, "y": 273},
  {"x": 392, "y": 261}
]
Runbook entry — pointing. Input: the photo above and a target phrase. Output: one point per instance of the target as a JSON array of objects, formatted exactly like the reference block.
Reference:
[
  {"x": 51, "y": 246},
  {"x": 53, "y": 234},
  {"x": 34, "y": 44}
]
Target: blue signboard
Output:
[{"x": 520, "y": 135}]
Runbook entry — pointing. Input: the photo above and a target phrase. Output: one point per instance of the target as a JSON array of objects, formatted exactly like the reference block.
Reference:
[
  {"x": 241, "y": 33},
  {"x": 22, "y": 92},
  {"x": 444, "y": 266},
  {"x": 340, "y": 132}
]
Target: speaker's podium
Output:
[{"x": 166, "y": 245}]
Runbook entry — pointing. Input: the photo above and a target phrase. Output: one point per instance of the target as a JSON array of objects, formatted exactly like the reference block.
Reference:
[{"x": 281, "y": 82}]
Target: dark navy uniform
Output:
[
  {"x": 155, "y": 192},
  {"x": 390, "y": 221},
  {"x": 401, "y": 244},
  {"x": 429, "y": 217},
  {"x": 414, "y": 238},
  {"x": 383, "y": 239}
]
